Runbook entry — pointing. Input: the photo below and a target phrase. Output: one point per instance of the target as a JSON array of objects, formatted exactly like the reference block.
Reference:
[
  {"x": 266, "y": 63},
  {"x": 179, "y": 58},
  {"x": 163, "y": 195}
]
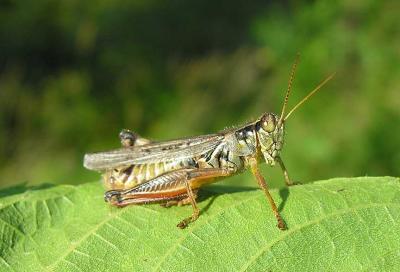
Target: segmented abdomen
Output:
[{"x": 130, "y": 176}]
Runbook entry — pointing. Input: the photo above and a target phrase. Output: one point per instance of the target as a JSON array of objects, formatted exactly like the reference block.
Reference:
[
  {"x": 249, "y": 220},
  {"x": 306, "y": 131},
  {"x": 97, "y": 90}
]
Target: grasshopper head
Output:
[
  {"x": 271, "y": 128},
  {"x": 270, "y": 134}
]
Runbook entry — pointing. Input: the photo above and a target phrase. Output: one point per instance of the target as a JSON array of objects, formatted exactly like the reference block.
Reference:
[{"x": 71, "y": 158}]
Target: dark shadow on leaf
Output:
[
  {"x": 22, "y": 188},
  {"x": 284, "y": 194},
  {"x": 215, "y": 191},
  {"x": 212, "y": 199}
]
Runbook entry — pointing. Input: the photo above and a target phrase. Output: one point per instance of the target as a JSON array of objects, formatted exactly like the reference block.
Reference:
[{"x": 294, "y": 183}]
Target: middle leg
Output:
[{"x": 288, "y": 181}]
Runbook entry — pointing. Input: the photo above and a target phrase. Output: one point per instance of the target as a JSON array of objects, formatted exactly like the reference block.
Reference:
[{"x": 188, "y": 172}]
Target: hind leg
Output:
[{"x": 169, "y": 186}]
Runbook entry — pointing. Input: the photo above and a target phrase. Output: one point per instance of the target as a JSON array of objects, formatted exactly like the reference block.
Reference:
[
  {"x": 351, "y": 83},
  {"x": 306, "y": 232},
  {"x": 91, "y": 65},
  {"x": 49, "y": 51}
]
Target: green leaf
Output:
[{"x": 344, "y": 224}]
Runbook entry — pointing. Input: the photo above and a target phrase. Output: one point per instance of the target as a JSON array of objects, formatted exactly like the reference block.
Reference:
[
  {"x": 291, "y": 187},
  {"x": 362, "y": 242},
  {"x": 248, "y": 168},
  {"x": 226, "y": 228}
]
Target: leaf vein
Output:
[
  {"x": 304, "y": 225},
  {"x": 206, "y": 221}
]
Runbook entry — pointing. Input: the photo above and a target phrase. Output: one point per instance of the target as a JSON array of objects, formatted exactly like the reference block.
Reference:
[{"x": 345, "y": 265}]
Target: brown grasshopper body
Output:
[{"x": 143, "y": 171}]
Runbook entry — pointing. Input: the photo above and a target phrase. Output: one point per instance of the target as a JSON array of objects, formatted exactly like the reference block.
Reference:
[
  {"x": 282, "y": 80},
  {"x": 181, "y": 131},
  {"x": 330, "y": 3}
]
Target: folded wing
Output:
[{"x": 153, "y": 152}]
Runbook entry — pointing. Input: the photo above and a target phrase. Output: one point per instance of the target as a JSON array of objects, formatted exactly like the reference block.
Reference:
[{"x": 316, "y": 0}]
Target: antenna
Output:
[
  {"x": 309, "y": 95},
  {"x": 296, "y": 61}
]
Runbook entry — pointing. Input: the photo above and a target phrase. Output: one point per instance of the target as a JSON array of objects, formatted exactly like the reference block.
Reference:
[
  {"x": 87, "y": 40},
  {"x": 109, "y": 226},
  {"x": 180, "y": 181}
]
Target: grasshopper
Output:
[{"x": 172, "y": 172}]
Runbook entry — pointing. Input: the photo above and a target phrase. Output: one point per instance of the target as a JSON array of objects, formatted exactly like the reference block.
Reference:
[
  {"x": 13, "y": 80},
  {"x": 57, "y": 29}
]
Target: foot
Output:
[
  {"x": 281, "y": 224},
  {"x": 185, "y": 222},
  {"x": 292, "y": 183}
]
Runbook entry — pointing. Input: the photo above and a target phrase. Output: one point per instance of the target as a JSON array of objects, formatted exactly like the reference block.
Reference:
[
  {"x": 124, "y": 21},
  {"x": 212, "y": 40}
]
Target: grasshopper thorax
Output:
[{"x": 270, "y": 135}]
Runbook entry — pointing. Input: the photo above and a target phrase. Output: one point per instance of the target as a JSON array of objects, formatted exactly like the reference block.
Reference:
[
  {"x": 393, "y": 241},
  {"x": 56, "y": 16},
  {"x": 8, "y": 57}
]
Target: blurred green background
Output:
[{"x": 74, "y": 73}]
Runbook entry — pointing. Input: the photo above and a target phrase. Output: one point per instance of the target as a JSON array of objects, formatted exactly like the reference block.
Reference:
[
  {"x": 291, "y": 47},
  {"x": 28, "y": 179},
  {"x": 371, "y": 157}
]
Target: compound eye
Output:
[{"x": 268, "y": 122}]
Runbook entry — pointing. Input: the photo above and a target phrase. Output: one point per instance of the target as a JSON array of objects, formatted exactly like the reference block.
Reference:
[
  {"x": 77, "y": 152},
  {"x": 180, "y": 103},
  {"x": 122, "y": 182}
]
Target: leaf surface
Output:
[{"x": 343, "y": 224}]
